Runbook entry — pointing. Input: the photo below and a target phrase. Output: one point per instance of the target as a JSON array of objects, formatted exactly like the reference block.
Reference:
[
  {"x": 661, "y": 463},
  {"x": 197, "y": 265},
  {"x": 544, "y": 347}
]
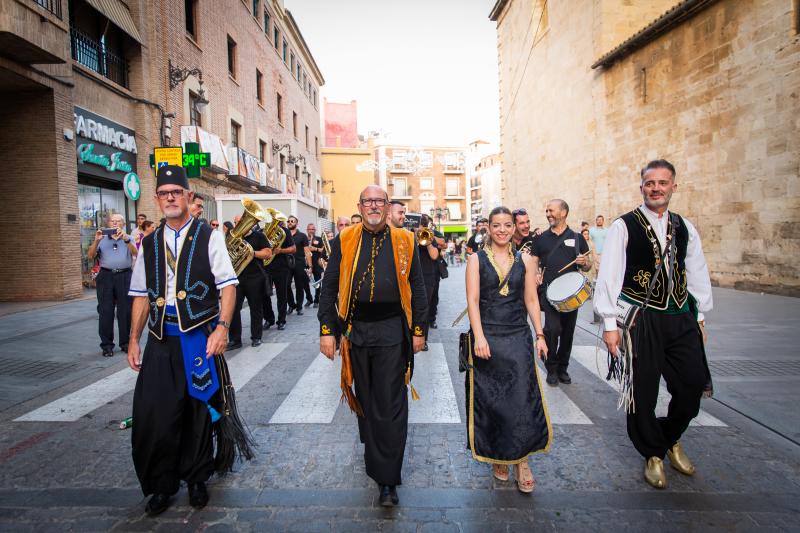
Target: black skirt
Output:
[{"x": 507, "y": 418}]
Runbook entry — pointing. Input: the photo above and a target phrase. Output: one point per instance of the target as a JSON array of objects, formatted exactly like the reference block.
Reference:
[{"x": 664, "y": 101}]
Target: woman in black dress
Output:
[{"x": 506, "y": 410}]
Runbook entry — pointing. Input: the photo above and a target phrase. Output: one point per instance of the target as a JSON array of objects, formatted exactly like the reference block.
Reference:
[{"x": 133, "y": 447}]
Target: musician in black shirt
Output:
[
  {"x": 522, "y": 231},
  {"x": 302, "y": 266},
  {"x": 317, "y": 250},
  {"x": 251, "y": 286},
  {"x": 278, "y": 272},
  {"x": 553, "y": 250},
  {"x": 477, "y": 238}
]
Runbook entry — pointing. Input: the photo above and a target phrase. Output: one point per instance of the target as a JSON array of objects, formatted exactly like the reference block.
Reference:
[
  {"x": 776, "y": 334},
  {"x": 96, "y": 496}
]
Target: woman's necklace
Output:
[{"x": 500, "y": 273}]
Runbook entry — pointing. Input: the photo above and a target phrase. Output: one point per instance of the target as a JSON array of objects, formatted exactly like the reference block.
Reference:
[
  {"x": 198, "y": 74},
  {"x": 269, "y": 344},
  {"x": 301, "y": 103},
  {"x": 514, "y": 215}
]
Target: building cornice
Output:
[{"x": 673, "y": 17}]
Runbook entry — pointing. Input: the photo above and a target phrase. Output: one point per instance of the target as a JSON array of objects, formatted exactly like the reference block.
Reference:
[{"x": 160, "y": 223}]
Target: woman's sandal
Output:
[
  {"x": 500, "y": 472},
  {"x": 524, "y": 484}
]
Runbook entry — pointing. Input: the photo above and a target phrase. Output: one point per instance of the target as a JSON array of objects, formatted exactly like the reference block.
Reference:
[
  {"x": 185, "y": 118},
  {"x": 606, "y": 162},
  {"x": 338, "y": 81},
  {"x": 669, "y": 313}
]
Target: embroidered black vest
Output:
[
  {"x": 196, "y": 298},
  {"x": 643, "y": 255}
]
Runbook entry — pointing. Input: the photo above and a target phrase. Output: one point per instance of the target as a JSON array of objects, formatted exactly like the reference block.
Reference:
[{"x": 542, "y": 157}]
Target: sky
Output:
[{"x": 424, "y": 72}]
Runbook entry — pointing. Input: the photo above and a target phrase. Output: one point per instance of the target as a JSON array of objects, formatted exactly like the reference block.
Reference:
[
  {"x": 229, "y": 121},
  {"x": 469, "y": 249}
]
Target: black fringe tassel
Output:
[{"x": 233, "y": 438}]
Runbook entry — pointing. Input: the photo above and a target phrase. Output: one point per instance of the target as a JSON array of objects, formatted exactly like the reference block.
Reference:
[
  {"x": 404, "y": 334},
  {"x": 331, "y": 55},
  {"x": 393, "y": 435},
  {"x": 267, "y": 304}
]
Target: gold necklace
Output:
[{"x": 500, "y": 274}]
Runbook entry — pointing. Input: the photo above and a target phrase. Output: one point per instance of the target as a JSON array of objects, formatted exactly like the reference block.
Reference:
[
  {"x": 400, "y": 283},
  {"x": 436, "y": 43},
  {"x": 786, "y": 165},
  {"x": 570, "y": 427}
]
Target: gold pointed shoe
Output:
[
  {"x": 654, "y": 473},
  {"x": 679, "y": 460}
]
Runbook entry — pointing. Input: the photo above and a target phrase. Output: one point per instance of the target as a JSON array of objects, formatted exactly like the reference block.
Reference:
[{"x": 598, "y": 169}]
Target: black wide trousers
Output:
[
  {"x": 672, "y": 346},
  {"x": 251, "y": 288},
  {"x": 559, "y": 330},
  {"x": 379, "y": 374},
  {"x": 172, "y": 433}
]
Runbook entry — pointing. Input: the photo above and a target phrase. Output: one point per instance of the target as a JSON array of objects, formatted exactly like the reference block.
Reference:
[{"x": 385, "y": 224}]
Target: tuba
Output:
[
  {"x": 424, "y": 236},
  {"x": 239, "y": 250},
  {"x": 273, "y": 232}
]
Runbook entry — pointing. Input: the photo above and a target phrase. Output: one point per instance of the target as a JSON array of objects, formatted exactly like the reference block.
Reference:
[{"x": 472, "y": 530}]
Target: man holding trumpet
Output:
[{"x": 556, "y": 251}]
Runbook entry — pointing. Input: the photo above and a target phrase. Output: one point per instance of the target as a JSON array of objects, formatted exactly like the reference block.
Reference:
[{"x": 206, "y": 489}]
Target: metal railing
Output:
[
  {"x": 53, "y": 6},
  {"x": 94, "y": 55}
]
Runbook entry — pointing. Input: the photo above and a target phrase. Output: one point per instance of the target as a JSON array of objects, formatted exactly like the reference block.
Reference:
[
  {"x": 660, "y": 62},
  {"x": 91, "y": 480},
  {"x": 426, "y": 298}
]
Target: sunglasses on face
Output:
[{"x": 214, "y": 225}]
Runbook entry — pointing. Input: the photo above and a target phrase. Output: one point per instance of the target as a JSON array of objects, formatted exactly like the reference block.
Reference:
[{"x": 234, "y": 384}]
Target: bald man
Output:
[{"x": 375, "y": 277}]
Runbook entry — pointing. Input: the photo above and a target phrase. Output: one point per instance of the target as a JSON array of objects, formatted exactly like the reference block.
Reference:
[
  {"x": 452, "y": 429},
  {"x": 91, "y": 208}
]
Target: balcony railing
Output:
[
  {"x": 53, "y": 6},
  {"x": 95, "y": 56}
]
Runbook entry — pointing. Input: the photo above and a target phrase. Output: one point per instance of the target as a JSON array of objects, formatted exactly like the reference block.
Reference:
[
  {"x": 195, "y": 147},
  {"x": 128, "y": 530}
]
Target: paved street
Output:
[{"x": 66, "y": 466}]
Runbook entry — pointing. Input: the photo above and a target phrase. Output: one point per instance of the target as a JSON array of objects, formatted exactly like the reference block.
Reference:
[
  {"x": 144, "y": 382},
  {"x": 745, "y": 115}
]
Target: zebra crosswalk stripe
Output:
[
  {"x": 315, "y": 397},
  {"x": 437, "y": 403}
]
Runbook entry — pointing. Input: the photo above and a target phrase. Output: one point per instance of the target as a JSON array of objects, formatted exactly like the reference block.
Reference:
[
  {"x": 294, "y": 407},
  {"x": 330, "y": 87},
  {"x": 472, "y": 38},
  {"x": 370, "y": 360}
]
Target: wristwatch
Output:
[{"x": 224, "y": 324}]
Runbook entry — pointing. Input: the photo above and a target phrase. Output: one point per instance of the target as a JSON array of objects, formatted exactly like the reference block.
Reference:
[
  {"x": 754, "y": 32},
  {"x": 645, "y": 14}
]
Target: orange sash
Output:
[{"x": 350, "y": 242}]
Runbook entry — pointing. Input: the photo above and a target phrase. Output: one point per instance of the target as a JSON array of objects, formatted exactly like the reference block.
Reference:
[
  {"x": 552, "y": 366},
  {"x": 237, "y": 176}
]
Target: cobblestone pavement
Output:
[{"x": 67, "y": 467}]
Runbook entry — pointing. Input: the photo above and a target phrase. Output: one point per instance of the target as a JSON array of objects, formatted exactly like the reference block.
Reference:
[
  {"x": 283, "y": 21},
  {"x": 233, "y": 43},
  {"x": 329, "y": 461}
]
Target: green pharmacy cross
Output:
[{"x": 194, "y": 160}]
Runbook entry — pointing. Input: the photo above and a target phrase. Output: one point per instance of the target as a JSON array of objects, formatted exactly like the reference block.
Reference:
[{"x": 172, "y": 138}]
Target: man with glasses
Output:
[
  {"x": 115, "y": 251},
  {"x": 215, "y": 224},
  {"x": 375, "y": 277},
  {"x": 184, "y": 290}
]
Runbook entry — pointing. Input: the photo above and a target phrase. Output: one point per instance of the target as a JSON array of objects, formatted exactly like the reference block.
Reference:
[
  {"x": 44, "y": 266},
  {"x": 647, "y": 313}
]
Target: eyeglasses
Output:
[
  {"x": 214, "y": 225},
  {"x": 175, "y": 193},
  {"x": 378, "y": 202}
]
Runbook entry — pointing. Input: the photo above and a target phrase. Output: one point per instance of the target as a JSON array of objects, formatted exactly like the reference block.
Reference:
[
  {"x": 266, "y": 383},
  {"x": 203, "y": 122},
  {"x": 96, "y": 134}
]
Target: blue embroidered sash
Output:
[{"x": 201, "y": 373}]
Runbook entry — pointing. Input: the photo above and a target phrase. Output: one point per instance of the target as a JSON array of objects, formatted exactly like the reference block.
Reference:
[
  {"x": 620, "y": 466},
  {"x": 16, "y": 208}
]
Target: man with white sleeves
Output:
[
  {"x": 653, "y": 259},
  {"x": 183, "y": 286}
]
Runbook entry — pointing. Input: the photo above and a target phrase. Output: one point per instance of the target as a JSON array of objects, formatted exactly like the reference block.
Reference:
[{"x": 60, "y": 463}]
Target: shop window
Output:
[
  {"x": 236, "y": 130},
  {"x": 195, "y": 118},
  {"x": 231, "y": 57},
  {"x": 190, "y": 10}
]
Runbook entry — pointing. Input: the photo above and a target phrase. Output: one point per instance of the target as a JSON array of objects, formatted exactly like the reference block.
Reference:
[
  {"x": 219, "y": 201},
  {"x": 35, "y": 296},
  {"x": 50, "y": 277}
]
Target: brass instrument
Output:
[
  {"x": 239, "y": 250},
  {"x": 326, "y": 244},
  {"x": 273, "y": 232},
  {"x": 424, "y": 236},
  {"x": 481, "y": 239},
  {"x": 526, "y": 248}
]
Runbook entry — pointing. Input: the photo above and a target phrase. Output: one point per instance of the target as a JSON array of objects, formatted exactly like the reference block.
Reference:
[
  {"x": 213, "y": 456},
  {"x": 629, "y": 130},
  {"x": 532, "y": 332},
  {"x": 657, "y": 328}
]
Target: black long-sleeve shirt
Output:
[{"x": 376, "y": 322}]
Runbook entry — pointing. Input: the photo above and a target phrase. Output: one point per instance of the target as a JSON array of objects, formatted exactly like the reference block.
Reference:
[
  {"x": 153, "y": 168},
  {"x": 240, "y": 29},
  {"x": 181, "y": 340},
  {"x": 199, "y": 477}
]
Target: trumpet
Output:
[{"x": 424, "y": 236}]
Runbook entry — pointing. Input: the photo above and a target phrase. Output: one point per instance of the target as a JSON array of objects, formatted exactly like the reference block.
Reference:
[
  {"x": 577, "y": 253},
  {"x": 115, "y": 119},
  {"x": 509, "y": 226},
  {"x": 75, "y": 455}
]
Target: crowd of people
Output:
[{"x": 376, "y": 287}]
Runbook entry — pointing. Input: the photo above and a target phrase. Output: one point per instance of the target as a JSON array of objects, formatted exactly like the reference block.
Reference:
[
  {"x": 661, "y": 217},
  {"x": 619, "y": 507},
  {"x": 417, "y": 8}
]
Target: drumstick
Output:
[{"x": 571, "y": 263}]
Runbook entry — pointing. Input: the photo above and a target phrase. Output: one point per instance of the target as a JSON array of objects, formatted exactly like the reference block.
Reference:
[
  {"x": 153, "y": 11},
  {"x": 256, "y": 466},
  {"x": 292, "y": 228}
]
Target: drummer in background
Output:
[{"x": 555, "y": 248}]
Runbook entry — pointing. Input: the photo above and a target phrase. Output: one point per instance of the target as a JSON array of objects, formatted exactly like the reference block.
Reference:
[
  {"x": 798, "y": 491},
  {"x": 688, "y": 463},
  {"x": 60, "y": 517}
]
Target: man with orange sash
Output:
[{"x": 373, "y": 299}]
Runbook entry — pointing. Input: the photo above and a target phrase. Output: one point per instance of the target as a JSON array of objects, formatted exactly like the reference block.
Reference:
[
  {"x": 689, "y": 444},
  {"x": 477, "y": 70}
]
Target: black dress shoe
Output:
[
  {"x": 108, "y": 353},
  {"x": 198, "y": 495},
  {"x": 290, "y": 310},
  {"x": 563, "y": 377},
  {"x": 434, "y": 326},
  {"x": 124, "y": 348},
  {"x": 232, "y": 345},
  {"x": 299, "y": 311},
  {"x": 316, "y": 304},
  {"x": 281, "y": 327},
  {"x": 268, "y": 324},
  {"x": 388, "y": 496},
  {"x": 256, "y": 342},
  {"x": 308, "y": 303},
  {"x": 552, "y": 379},
  {"x": 425, "y": 348},
  {"x": 157, "y": 504}
]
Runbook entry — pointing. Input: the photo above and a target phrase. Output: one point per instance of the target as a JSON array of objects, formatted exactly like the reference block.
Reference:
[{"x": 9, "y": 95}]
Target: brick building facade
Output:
[
  {"x": 593, "y": 89},
  {"x": 87, "y": 84}
]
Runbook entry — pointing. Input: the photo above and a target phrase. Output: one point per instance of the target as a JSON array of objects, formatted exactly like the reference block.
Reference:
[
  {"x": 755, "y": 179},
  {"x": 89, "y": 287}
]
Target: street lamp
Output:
[
  {"x": 178, "y": 75},
  {"x": 439, "y": 213}
]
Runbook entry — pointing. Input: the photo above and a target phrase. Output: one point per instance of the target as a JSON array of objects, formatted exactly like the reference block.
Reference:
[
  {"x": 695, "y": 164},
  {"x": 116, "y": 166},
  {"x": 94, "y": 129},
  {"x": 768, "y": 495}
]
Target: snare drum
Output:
[{"x": 568, "y": 292}]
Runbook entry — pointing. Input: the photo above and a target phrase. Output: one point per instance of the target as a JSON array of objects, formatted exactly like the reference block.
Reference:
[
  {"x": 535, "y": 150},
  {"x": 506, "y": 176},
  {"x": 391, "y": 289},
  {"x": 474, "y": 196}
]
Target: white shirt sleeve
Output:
[
  {"x": 138, "y": 282},
  {"x": 221, "y": 265},
  {"x": 611, "y": 276},
  {"x": 698, "y": 281}
]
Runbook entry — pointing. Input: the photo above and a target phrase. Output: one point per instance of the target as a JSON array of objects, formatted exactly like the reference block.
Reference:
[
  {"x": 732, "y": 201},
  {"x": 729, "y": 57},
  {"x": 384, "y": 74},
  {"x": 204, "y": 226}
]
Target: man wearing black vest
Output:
[
  {"x": 251, "y": 286},
  {"x": 553, "y": 250},
  {"x": 183, "y": 286},
  {"x": 668, "y": 335}
]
